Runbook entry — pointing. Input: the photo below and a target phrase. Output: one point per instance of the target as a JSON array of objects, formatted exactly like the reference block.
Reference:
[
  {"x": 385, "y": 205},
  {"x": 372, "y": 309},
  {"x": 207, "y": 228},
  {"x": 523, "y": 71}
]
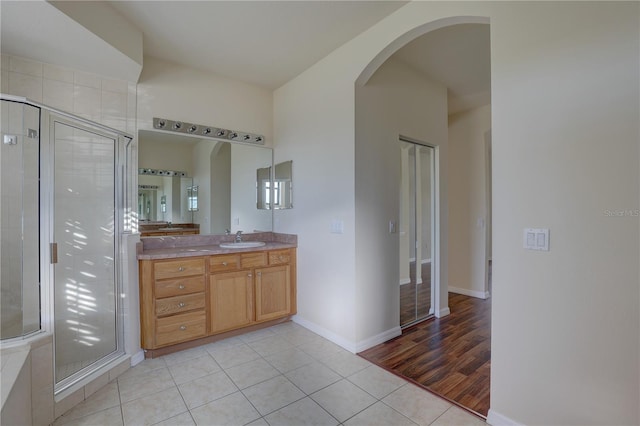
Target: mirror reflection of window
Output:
[
  {"x": 283, "y": 186},
  {"x": 263, "y": 184},
  {"x": 192, "y": 198}
]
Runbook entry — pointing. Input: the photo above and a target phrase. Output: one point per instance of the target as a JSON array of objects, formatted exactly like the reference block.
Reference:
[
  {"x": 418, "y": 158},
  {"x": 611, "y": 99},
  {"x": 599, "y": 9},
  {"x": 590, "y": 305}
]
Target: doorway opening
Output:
[{"x": 454, "y": 54}]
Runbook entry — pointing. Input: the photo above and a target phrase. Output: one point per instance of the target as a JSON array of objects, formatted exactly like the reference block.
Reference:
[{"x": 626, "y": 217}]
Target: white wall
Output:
[
  {"x": 565, "y": 149},
  {"x": 313, "y": 126},
  {"x": 176, "y": 92},
  {"x": 165, "y": 155},
  {"x": 468, "y": 212},
  {"x": 396, "y": 101}
]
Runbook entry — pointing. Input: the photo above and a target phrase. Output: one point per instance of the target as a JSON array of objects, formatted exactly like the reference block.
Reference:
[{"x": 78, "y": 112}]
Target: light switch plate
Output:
[{"x": 536, "y": 239}]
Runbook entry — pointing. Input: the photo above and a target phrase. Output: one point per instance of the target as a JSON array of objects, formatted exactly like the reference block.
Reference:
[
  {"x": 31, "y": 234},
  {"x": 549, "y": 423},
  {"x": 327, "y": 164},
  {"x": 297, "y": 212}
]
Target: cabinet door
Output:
[
  {"x": 231, "y": 299},
  {"x": 273, "y": 292}
]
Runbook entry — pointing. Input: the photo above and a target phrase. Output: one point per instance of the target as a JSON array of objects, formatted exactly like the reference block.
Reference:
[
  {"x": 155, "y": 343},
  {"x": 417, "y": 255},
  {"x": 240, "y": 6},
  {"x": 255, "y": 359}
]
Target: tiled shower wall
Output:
[
  {"x": 94, "y": 97},
  {"x": 100, "y": 99}
]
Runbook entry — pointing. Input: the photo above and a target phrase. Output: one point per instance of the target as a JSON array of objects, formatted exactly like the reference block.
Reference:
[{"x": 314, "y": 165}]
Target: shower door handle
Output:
[{"x": 54, "y": 252}]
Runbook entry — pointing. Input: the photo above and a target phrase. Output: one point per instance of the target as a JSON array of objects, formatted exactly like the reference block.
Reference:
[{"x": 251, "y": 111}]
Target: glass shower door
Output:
[
  {"x": 417, "y": 231},
  {"x": 84, "y": 249}
]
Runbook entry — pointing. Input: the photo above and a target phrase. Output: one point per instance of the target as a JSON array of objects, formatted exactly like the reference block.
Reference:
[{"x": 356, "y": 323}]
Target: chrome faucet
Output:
[
  {"x": 238, "y": 236},
  {"x": 227, "y": 231}
]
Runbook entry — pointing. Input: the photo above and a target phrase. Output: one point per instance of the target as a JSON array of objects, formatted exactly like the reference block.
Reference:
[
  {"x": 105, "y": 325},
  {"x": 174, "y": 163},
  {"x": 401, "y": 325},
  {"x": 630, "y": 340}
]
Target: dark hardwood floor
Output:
[{"x": 450, "y": 356}]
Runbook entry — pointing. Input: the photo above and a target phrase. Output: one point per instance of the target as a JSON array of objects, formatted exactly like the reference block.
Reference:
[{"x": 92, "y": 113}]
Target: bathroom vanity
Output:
[{"x": 193, "y": 291}]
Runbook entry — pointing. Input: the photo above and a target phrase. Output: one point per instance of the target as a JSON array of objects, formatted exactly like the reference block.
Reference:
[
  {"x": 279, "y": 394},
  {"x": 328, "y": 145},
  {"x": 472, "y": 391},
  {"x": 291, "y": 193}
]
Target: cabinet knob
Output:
[
  {"x": 183, "y": 327},
  {"x": 181, "y": 286},
  {"x": 181, "y": 268},
  {"x": 224, "y": 263},
  {"x": 249, "y": 275},
  {"x": 181, "y": 304}
]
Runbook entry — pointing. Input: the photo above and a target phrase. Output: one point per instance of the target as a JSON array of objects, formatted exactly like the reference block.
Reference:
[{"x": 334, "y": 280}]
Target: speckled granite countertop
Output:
[{"x": 167, "y": 247}]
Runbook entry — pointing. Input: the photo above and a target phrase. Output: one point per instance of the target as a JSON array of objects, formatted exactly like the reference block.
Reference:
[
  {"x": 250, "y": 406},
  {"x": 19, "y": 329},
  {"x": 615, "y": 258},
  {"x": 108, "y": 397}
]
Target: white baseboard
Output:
[
  {"x": 467, "y": 292},
  {"x": 329, "y": 335},
  {"x": 497, "y": 419},
  {"x": 426, "y": 261},
  {"x": 404, "y": 281},
  {"x": 443, "y": 312},
  {"x": 137, "y": 358},
  {"x": 341, "y": 341},
  {"x": 363, "y": 345}
]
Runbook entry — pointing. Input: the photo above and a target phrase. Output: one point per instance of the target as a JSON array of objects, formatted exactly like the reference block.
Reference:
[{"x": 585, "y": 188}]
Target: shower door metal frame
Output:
[{"x": 121, "y": 225}]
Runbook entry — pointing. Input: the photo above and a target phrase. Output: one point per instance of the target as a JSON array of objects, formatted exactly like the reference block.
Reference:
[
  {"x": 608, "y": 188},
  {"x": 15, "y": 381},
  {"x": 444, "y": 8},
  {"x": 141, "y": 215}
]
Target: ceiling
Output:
[{"x": 265, "y": 43}]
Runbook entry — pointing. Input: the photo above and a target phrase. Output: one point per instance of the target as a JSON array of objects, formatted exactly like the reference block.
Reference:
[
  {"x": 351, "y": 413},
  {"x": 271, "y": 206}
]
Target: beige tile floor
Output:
[{"x": 282, "y": 375}]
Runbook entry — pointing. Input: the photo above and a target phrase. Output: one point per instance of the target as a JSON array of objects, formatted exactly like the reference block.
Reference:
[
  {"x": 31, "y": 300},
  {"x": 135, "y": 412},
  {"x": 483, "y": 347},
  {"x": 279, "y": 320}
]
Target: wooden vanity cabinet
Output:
[
  {"x": 231, "y": 300},
  {"x": 273, "y": 292},
  {"x": 195, "y": 297},
  {"x": 172, "y": 301}
]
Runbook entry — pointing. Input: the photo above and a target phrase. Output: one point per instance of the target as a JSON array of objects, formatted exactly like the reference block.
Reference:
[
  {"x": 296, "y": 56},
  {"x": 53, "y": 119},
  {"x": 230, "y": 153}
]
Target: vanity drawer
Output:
[
  {"x": 229, "y": 262},
  {"x": 251, "y": 260},
  {"x": 178, "y": 268},
  {"x": 177, "y": 304},
  {"x": 179, "y": 286},
  {"x": 178, "y": 328},
  {"x": 278, "y": 257}
]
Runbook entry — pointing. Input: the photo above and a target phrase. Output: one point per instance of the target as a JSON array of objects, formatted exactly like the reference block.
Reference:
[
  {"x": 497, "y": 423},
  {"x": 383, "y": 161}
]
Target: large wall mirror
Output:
[{"x": 218, "y": 191}]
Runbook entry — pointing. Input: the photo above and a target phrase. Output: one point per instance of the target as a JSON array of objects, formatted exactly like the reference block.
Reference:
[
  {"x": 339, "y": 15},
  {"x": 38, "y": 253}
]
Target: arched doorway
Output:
[{"x": 405, "y": 105}]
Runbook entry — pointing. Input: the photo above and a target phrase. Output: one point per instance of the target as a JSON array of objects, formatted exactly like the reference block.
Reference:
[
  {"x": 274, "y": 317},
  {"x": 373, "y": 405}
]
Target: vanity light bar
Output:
[
  {"x": 206, "y": 131},
  {"x": 155, "y": 172}
]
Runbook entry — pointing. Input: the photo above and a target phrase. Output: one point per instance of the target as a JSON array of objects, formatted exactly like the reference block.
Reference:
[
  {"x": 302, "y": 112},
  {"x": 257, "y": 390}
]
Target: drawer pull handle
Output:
[
  {"x": 181, "y": 286},
  {"x": 249, "y": 275},
  {"x": 181, "y": 268},
  {"x": 224, "y": 263},
  {"x": 182, "y": 304},
  {"x": 183, "y": 327}
]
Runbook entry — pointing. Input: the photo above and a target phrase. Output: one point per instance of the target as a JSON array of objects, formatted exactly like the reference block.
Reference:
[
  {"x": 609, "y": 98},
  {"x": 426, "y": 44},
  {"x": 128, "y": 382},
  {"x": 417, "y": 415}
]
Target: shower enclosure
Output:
[{"x": 62, "y": 212}]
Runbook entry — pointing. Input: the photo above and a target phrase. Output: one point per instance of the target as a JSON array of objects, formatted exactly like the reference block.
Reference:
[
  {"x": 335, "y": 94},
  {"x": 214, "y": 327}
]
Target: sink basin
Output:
[
  {"x": 242, "y": 244},
  {"x": 170, "y": 229}
]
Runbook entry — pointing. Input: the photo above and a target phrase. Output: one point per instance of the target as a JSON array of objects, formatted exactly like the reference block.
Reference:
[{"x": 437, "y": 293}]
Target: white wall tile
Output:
[
  {"x": 85, "y": 79},
  {"x": 14, "y": 126},
  {"x": 4, "y": 81},
  {"x": 25, "y": 85},
  {"x": 4, "y": 62},
  {"x": 54, "y": 72},
  {"x": 114, "y": 105},
  {"x": 42, "y": 406},
  {"x": 118, "y": 86},
  {"x": 87, "y": 102},
  {"x": 25, "y": 66},
  {"x": 69, "y": 402},
  {"x": 96, "y": 385},
  {"x": 58, "y": 94}
]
